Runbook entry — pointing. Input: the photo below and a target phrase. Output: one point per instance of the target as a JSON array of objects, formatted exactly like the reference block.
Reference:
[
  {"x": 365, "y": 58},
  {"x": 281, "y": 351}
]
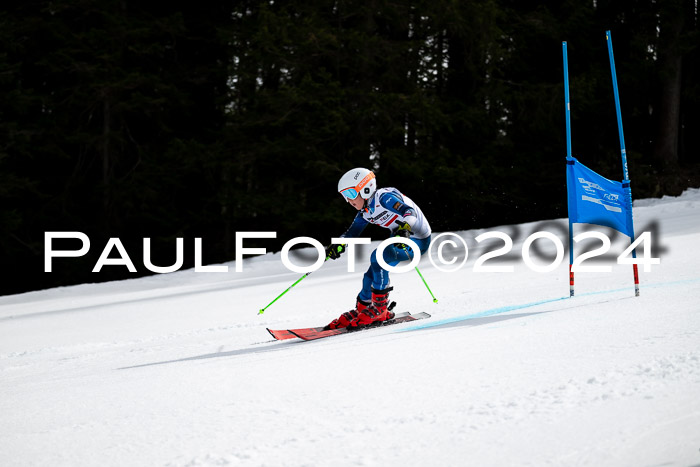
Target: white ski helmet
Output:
[{"x": 358, "y": 181}]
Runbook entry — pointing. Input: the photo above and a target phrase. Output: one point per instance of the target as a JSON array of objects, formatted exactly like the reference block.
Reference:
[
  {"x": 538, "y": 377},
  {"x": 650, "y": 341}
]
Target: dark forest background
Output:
[{"x": 133, "y": 119}]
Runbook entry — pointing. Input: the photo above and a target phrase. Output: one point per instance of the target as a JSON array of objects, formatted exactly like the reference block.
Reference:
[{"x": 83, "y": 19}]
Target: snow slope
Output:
[{"x": 179, "y": 370}]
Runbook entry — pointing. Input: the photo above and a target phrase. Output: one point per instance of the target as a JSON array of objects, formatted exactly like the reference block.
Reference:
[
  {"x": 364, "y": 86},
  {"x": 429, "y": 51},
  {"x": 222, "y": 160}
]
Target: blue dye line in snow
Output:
[
  {"x": 505, "y": 309},
  {"x": 481, "y": 314}
]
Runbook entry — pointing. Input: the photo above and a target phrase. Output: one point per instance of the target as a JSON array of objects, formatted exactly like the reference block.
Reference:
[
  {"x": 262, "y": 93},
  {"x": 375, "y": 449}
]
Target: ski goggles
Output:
[{"x": 353, "y": 191}]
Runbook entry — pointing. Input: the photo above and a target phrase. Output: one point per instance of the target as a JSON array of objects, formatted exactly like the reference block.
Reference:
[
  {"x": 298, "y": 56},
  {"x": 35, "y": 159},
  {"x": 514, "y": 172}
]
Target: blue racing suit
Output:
[{"x": 387, "y": 208}]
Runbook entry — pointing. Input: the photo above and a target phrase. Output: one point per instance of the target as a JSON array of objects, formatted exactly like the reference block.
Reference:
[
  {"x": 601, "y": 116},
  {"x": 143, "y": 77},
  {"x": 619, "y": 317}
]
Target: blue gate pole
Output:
[
  {"x": 568, "y": 158},
  {"x": 625, "y": 171}
]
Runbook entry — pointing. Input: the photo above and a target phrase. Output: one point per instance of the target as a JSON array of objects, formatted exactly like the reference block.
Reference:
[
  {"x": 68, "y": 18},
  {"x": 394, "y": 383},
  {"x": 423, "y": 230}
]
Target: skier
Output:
[{"x": 389, "y": 208}]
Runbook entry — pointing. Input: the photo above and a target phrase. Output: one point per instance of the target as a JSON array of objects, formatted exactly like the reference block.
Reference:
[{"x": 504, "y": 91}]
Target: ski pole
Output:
[
  {"x": 262, "y": 310},
  {"x": 435, "y": 300}
]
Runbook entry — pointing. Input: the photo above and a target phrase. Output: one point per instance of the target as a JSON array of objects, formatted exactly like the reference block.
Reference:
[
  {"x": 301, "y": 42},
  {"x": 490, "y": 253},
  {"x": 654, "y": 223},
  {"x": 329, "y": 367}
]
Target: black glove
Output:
[
  {"x": 334, "y": 251},
  {"x": 404, "y": 231}
]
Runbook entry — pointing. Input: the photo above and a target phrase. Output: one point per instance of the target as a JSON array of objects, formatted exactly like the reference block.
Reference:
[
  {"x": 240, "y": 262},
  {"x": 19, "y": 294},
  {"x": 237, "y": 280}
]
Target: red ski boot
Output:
[
  {"x": 344, "y": 320},
  {"x": 376, "y": 312}
]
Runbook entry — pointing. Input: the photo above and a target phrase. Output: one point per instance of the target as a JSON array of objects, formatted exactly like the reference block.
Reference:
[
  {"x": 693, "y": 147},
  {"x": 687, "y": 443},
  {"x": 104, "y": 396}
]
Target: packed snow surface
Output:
[{"x": 179, "y": 369}]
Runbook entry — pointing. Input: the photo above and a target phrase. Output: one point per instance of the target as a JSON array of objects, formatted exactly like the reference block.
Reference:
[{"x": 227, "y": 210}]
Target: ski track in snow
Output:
[{"x": 179, "y": 370}]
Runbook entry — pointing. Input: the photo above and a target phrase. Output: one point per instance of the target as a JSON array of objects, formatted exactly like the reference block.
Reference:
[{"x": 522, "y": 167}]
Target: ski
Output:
[
  {"x": 282, "y": 334},
  {"x": 310, "y": 334}
]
